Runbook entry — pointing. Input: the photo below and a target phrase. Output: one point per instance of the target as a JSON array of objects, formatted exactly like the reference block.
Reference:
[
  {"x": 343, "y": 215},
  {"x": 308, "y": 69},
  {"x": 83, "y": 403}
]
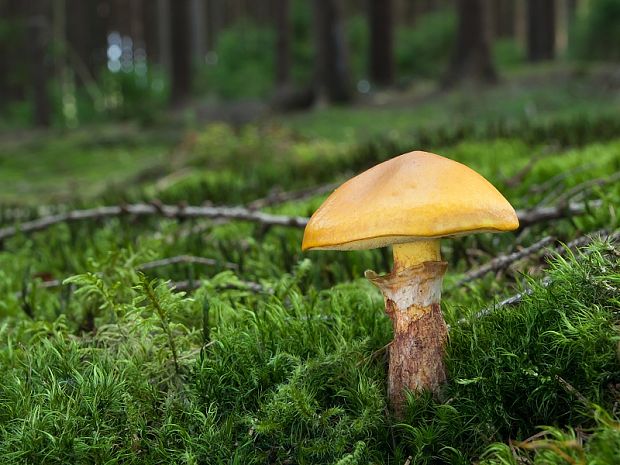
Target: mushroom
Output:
[{"x": 410, "y": 202}]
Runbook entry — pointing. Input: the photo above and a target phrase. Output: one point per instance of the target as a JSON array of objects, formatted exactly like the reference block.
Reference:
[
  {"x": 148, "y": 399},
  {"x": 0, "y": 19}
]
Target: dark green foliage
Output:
[
  {"x": 597, "y": 34},
  {"x": 140, "y": 94},
  {"x": 424, "y": 49},
  {"x": 293, "y": 378},
  {"x": 242, "y": 64},
  {"x": 114, "y": 367},
  {"x": 554, "y": 446}
]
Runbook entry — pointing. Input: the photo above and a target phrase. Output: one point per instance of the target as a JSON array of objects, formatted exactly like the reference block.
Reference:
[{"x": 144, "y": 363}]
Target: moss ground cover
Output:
[{"x": 115, "y": 367}]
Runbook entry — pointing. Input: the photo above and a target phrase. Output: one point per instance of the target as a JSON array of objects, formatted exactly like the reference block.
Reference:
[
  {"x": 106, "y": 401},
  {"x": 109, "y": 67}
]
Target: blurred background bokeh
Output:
[
  {"x": 69, "y": 62},
  {"x": 154, "y": 147}
]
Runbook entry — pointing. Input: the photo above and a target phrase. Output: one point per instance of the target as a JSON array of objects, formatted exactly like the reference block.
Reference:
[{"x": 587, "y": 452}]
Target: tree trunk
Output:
[
  {"x": 471, "y": 60},
  {"x": 504, "y": 18},
  {"x": 520, "y": 24},
  {"x": 79, "y": 32},
  {"x": 540, "y": 30},
  {"x": 332, "y": 67},
  {"x": 39, "y": 40},
  {"x": 562, "y": 26},
  {"x": 136, "y": 31},
  {"x": 181, "y": 50},
  {"x": 283, "y": 42},
  {"x": 164, "y": 43},
  {"x": 199, "y": 36},
  {"x": 380, "y": 16}
]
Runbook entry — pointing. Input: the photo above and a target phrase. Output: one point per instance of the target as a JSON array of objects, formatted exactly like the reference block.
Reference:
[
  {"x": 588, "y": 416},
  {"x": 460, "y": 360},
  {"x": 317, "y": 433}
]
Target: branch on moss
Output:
[
  {"x": 546, "y": 281},
  {"x": 541, "y": 214},
  {"x": 186, "y": 259},
  {"x": 191, "y": 285},
  {"x": 277, "y": 198},
  {"x": 167, "y": 211},
  {"x": 586, "y": 186},
  {"x": 186, "y": 285},
  {"x": 526, "y": 217},
  {"x": 504, "y": 261}
]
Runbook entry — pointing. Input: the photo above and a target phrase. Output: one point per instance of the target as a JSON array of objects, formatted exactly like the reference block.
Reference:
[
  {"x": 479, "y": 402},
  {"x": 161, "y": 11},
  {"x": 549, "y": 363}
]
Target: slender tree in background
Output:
[
  {"x": 540, "y": 29},
  {"x": 199, "y": 37},
  {"x": 471, "y": 59},
  {"x": 562, "y": 25},
  {"x": 380, "y": 19},
  {"x": 164, "y": 36},
  {"x": 283, "y": 41},
  {"x": 80, "y": 37},
  {"x": 502, "y": 12},
  {"x": 332, "y": 67},
  {"x": 39, "y": 41},
  {"x": 181, "y": 50}
]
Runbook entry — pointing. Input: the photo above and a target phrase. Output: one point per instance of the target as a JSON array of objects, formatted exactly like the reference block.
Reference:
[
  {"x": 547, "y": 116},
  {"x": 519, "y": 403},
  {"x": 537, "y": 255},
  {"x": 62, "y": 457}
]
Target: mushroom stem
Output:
[
  {"x": 413, "y": 253},
  {"x": 412, "y": 300}
]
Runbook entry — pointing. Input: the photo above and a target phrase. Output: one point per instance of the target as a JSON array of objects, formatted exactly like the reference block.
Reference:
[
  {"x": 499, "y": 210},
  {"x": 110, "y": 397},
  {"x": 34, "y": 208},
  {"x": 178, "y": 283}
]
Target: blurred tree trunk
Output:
[
  {"x": 164, "y": 36},
  {"x": 540, "y": 30},
  {"x": 198, "y": 15},
  {"x": 471, "y": 60},
  {"x": 332, "y": 67},
  {"x": 137, "y": 23},
  {"x": 80, "y": 24},
  {"x": 217, "y": 17},
  {"x": 151, "y": 39},
  {"x": 10, "y": 90},
  {"x": 283, "y": 42},
  {"x": 380, "y": 16},
  {"x": 562, "y": 25},
  {"x": 405, "y": 11},
  {"x": 181, "y": 50},
  {"x": 503, "y": 20},
  {"x": 39, "y": 40},
  {"x": 520, "y": 23}
]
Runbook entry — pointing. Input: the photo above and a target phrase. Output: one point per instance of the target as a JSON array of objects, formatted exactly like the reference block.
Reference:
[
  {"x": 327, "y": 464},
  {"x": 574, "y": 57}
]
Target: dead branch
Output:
[
  {"x": 542, "y": 214},
  {"x": 504, "y": 261},
  {"x": 587, "y": 185},
  {"x": 277, "y": 198},
  {"x": 186, "y": 285},
  {"x": 518, "y": 177},
  {"x": 584, "y": 240},
  {"x": 560, "y": 177},
  {"x": 168, "y": 211},
  {"x": 186, "y": 259},
  {"x": 192, "y": 285},
  {"x": 546, "y": 281},
  {"x": 526, "y": 217}
]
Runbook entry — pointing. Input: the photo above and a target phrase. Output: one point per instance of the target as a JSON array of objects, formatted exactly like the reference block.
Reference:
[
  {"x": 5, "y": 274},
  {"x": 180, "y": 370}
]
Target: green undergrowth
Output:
[
  {"x": 278, "y": 356},
  {"x": 299, "y": 377},
  {"x": 235, "y": 167}
]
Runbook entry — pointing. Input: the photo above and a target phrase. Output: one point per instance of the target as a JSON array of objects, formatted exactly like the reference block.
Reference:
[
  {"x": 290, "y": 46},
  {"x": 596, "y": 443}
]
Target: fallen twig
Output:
[
  {"x": 518, "y": 177},
  {"x": 504, "y": 261},
  {"x": 276, "y": 198},
  {"x": 526, "y": 217},
  {"x": 191, "y": 285},
  {"x": 186, "y": 285},
  {"x": 186, "y": 259},
  {"x": 558, "y": 178},
  {"x": 516, "y": 298},
  {"x": 586, "y": 185},
  {"x": 168, "y": 211},
  {"x": 542, "y": 214}
]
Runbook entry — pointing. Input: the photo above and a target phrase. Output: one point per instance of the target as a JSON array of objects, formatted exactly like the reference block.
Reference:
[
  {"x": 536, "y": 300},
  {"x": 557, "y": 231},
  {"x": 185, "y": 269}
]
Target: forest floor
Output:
[{"x": 239, "y": 348}]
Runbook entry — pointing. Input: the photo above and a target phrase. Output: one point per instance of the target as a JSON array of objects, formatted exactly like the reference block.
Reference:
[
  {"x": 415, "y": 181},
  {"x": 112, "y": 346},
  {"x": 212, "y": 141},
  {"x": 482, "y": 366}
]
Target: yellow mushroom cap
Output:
[{"x": 418, "y": 195}]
